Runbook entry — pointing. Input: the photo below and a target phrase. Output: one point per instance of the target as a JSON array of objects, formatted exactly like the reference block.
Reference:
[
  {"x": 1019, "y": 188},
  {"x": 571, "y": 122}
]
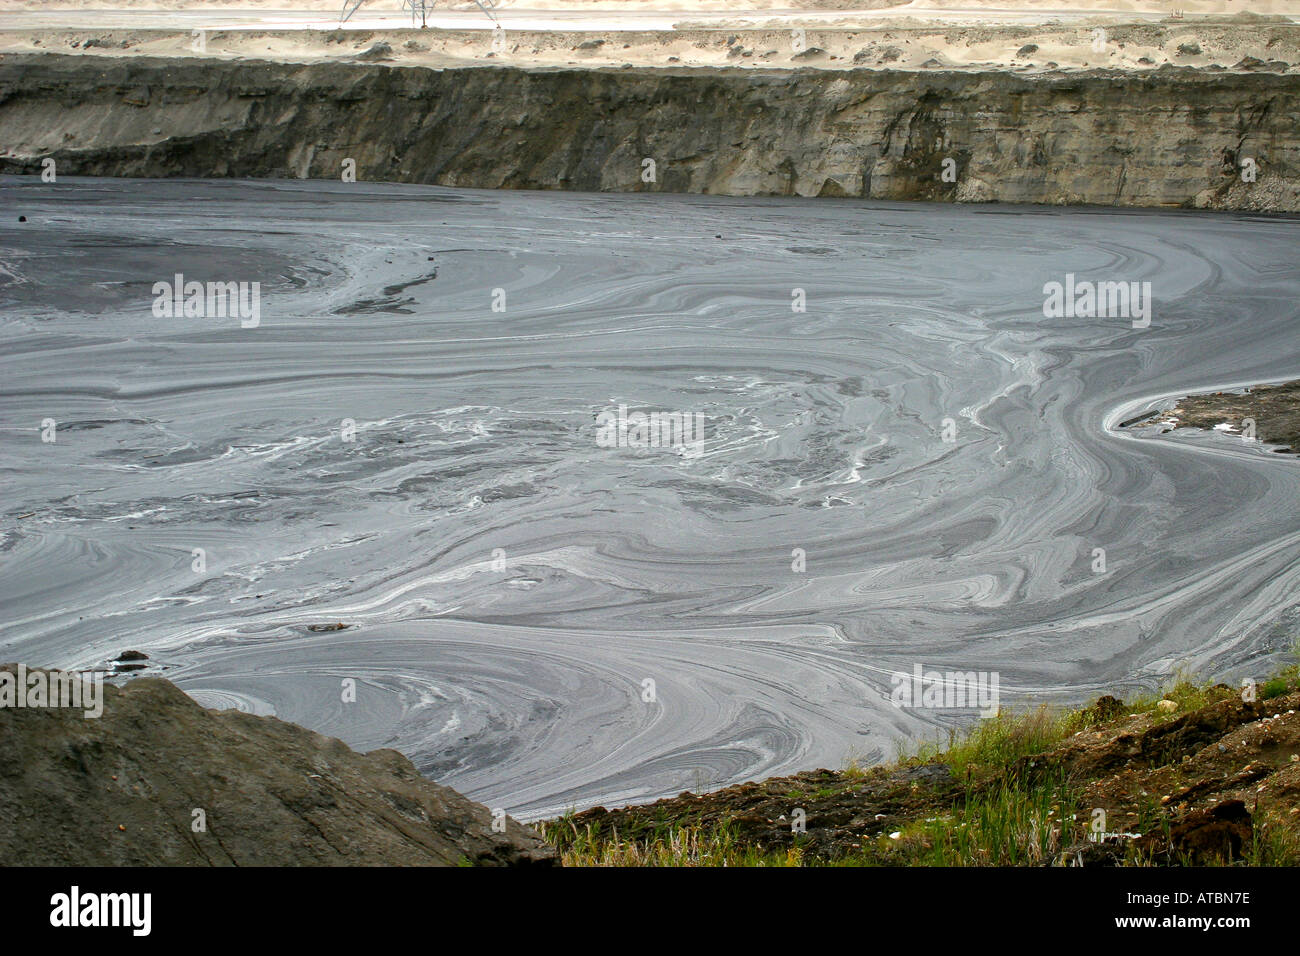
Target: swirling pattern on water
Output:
[{"x": 510, "y": 583}]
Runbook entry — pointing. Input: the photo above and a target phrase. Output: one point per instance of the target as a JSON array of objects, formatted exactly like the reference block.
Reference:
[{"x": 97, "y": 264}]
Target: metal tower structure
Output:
[{"x": 418, "y": 8}]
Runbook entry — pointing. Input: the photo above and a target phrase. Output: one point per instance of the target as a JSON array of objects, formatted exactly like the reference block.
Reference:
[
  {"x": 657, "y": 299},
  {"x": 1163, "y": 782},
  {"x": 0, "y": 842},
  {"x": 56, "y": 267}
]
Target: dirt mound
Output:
[
  {"x": 826, "y": 812},
  {"x": 159, "y": 780},
  {"x": 1169, "y": 788},
  {"x": 1274, "y": 410}
]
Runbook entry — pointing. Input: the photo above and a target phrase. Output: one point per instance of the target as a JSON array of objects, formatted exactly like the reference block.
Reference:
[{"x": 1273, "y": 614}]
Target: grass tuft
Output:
[{"x": 1007, "y": 815}]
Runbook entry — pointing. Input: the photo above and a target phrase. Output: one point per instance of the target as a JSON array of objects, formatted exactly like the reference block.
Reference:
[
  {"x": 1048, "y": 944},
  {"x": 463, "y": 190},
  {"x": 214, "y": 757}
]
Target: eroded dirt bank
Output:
[
  {"x": 1171, "y": 137},
  {"x": 1206, "y": 778}
]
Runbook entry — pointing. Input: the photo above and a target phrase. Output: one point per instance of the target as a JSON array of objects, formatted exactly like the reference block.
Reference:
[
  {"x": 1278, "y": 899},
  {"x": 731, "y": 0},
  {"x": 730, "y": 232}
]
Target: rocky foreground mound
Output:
[{"x": 159, "y": 780}]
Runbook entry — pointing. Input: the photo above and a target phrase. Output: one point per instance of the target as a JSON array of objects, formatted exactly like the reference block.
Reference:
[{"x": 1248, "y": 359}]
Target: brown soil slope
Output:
[{"x": 1186, "y": 788}]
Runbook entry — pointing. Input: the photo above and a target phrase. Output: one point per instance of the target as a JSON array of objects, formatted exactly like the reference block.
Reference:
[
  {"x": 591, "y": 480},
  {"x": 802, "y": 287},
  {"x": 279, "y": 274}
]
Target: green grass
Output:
[
  {"x": 1274, "y": 688},
  {"x": 669, "y": 846},
  {"x": 1184, "y": 691},
  {"x": 994, "y": 742},
  {"x": 1005, "y": 818},
  {"x": 1276, "y": 841},
  {"x": 1011, "y": 825}
]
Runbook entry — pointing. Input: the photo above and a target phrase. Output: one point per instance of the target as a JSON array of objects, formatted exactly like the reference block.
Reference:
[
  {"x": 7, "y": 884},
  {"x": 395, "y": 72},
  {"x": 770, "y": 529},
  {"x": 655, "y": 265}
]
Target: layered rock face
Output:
[
  {"x": 158, "y": 780},
  {"x": 1173, "y": 137}
]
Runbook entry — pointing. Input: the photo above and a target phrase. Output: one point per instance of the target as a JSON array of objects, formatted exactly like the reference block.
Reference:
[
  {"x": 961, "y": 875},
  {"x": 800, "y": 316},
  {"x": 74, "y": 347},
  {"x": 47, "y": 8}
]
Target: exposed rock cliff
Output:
[
  {"x": 159, "y": 780},
  {"x": 1170, "y": 137}
]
